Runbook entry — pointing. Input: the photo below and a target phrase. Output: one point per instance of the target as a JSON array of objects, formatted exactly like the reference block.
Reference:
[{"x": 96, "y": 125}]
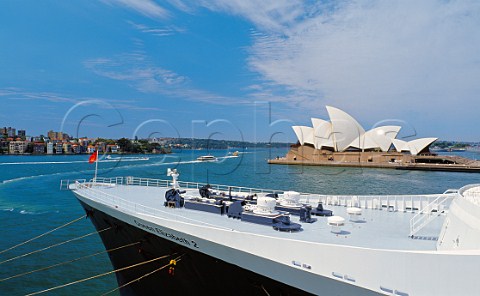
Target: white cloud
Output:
[
  {"x": 373, "y": 56},
  {"x": 418, "y": 61},
  {"x": 16, "y": 94},
  {"x": 134, "y": 67},
  {"x": 146, "y": 7},
  {"x": 160, "y": 32},
  {"x": 376, "y": 58},
  {"x": 271, "y": 15},
  {"x": 146, "y": 77}
]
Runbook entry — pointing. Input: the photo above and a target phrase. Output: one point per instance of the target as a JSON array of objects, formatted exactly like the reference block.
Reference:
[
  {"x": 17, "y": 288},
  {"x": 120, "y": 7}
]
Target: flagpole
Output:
[{"x": 96, "y": 167}]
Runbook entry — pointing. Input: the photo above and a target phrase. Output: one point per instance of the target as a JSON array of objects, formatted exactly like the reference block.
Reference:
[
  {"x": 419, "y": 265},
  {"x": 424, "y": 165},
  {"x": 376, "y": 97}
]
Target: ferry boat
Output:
[
  {"x": 226, "y": 240},
  {"x": 207, "y": 158}
]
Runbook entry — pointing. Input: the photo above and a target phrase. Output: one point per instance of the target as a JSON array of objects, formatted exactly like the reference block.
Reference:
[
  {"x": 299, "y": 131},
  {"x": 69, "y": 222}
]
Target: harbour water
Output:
[{"x": 31, "y": 204}]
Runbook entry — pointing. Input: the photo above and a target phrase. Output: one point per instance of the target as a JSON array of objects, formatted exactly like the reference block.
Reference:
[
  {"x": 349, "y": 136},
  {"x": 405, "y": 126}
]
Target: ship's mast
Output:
[
  {"x": 174, "y": 174},
  {"x": 96, "y": 166}
]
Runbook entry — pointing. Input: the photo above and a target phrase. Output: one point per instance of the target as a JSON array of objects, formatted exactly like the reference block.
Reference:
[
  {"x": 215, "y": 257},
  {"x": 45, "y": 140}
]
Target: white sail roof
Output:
[
  {"x": 345, "y": 128},
  {"x": 322, "y": 133},
  {"x": 400, "y": 145},
  {"x": 414, "y": 146},
  {"x": 377, "y": 138},
  {"x": 304, "y": 134},
  {"x": 343, "y": 132}
]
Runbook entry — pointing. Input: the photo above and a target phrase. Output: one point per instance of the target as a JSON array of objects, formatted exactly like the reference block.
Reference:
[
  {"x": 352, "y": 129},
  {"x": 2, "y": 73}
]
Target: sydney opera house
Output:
[
  {"x": 342, "y": 141},
  {"x": 344, "y": 133}
]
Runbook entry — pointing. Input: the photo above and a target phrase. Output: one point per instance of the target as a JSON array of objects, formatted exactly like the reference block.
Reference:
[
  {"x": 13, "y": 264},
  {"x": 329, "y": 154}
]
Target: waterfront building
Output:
[
  {"x": 17, "y": 147},
  {"x": 76, "y": 149},
  {"x": 39, "y": 148},
  {"x": 112, "y": 148},
  {"x": 343, "y": 133},
  {"x": 36, "y": 139},
  {"x": 49, "y": 148},
  {"x": 52, "y": 135},
  {"x": 90, "y": 149},
  {"x": 342, "y": 141},
  {"x": 67, "y": 148},
  {"x": 83, "y": 141},
  {"x": 59, "y": 148},
  {"x": 22, "y": 133},
  {"x": 57, "y": 136},
  {"x": 3, "y": 146},
  {"x": 101, "y": 147}
]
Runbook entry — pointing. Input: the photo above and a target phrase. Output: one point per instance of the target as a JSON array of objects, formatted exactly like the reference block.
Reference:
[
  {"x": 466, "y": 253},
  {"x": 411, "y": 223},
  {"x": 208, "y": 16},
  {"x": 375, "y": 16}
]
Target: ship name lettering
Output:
[
  {"x": 166, "y": 234},
  {"x": 174, "y": 237},
  {"x": 141, "y": 225}
]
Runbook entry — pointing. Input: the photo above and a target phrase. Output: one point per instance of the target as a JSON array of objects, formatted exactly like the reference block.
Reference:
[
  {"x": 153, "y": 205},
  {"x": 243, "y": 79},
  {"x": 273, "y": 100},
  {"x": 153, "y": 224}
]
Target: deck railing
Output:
[
  {"x": 92, "y": 191},
  {"x": 405, "y": 203},
  {"x": 431, "y": 211},
  {"x": 167, "y": 183}
]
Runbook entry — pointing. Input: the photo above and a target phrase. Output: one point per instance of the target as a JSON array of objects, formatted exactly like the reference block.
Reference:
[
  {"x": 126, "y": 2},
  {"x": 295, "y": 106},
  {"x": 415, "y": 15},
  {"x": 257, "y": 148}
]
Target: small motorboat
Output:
[{"x": 207, "y": 158}]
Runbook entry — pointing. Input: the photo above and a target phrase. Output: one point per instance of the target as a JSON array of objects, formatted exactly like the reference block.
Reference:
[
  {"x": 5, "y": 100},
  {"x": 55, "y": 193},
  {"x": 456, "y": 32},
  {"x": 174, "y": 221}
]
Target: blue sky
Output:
[{"x": 238, "y": 69}]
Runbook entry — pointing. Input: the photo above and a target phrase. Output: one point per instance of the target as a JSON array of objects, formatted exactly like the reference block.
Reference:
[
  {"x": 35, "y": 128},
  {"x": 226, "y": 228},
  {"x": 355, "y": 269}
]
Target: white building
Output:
[
  {"x": 344, "y": 133},
  {"x": 59, "y": 148},
  {"x": 49, "y": 148}
]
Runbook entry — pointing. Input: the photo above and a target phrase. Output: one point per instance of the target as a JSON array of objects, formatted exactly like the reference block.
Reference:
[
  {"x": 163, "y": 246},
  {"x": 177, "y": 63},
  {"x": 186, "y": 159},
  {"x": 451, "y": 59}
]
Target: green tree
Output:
[{"x": 125, "y": 145}]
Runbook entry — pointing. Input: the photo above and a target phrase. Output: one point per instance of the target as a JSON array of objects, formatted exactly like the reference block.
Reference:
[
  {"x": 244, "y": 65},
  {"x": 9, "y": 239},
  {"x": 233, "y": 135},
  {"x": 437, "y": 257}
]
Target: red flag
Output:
[{"x": 93, "y": 157}]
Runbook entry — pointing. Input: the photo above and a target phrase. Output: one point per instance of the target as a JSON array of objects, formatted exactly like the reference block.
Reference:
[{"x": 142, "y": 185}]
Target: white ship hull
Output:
[{"x": 316, "y": 268}]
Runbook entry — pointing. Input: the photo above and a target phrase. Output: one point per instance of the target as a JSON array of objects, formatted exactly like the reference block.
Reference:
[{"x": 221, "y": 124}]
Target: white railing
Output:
[
  {"x": 427, "y": 207},
  {"x": 89, "y": 190},
  {"x": 393, "y": 203},
  {"x": 195, "y": 185},
  {"x": 114, "y": 180},
  {"x": 169, "y": 183},
  {"x": 405, "y": 203},
  {"x": 65, "y": 184},
  {"x": 432, "y": 210}
]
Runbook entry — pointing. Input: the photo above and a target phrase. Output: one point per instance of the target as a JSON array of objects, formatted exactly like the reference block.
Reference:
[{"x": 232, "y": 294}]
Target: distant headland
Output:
[{"x": 59, "y": 143}]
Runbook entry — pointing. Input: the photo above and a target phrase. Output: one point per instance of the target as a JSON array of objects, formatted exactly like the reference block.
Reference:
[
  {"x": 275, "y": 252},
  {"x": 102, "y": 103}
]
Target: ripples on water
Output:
[{"x": 31, "y": 203}]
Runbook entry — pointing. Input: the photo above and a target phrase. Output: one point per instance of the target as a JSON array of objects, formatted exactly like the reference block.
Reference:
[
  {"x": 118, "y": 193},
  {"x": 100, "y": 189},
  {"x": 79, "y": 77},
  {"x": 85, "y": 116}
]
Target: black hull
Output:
[{"x": 195, "y": 274}]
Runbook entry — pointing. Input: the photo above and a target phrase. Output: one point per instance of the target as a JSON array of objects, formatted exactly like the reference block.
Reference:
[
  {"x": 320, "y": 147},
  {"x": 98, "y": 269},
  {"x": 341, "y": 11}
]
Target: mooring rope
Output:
[
  {"x": 264, "y": 290},
  {"x": 67, "y": 262},
  {"x": 43, "y": 234},
  {"x": 55, "y": 245},
  {"x": 96, "y": 276},
  {"x": 143, "y": 276}
]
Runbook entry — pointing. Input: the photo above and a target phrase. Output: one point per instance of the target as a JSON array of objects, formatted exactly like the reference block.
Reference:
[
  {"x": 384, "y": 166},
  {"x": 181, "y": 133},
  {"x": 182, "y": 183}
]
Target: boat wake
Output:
[
  {"x": 20, "y": 211},
  {"x": 42, "y": 175},
  {"x": 229, "y": 156},
  {"x": 117, "y": 159},
  {"x": 170, "y": 163},
  {"x": 25, "y": 212},
  {"x": 35, "y": 176}
]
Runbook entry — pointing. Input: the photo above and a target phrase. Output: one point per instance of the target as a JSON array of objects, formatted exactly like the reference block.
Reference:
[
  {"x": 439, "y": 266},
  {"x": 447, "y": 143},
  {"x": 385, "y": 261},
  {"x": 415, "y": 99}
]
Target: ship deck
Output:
[{"x": 379, "y": 228}]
